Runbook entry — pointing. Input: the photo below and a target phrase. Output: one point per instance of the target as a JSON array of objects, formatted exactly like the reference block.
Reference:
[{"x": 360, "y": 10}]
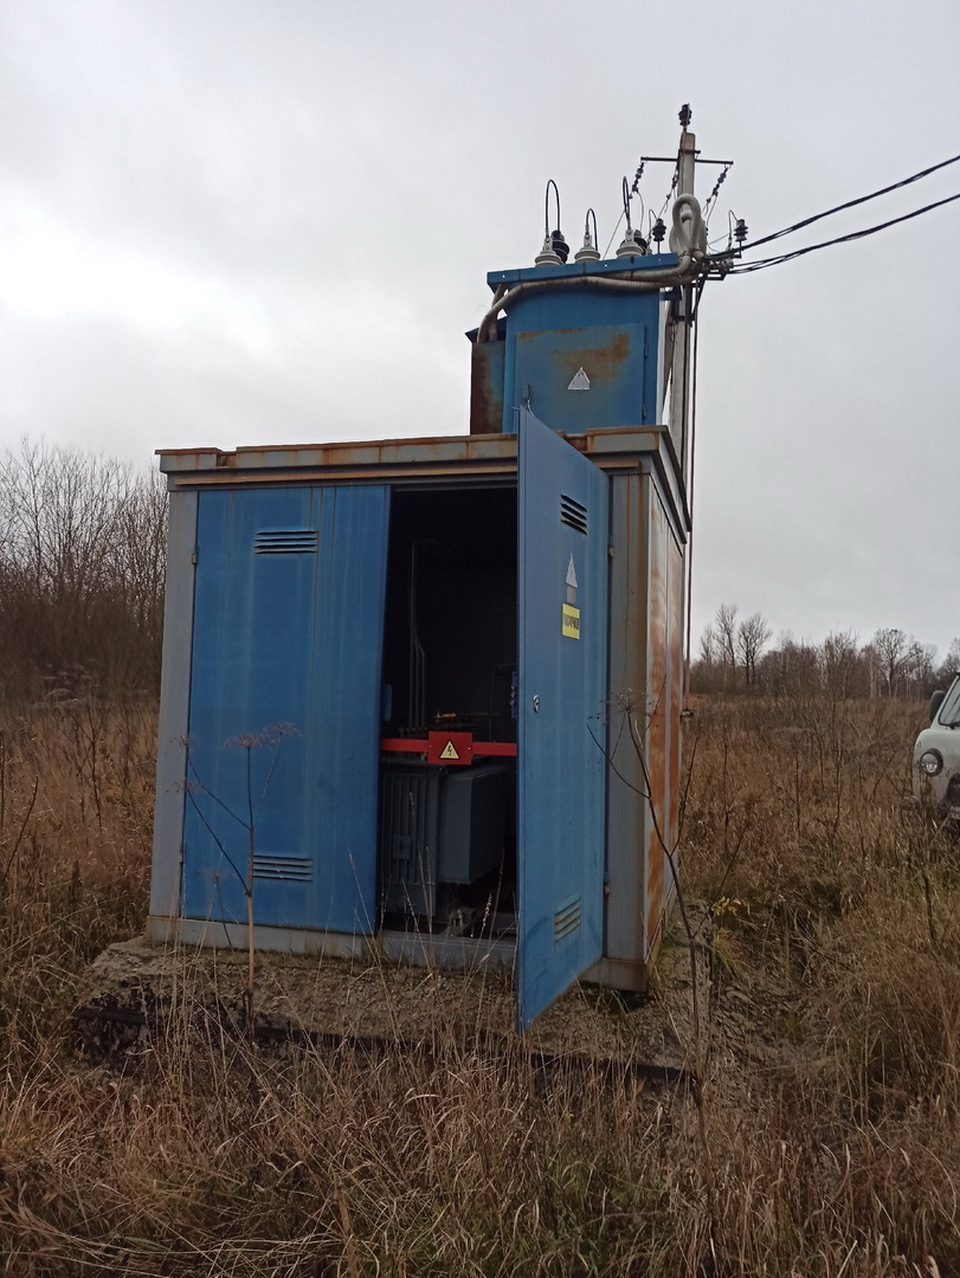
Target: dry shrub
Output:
[
  {"x": 826, "y": 1138},
  {"x": 82, "y": 541},
  {"x": 76, "y": 803}
]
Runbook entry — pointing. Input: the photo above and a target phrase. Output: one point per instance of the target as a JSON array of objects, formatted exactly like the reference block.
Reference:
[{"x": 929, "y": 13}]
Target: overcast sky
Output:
[{"x": 228, "y": 222}]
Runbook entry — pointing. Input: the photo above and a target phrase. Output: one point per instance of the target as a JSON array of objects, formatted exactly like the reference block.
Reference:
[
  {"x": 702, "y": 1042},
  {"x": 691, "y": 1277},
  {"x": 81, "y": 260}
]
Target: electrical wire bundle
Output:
[{"x": 724, "y": 261}]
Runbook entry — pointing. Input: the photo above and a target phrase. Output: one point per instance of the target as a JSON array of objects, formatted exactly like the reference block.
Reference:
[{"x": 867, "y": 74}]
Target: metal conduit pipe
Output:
[{"x": 650, "y": 282}]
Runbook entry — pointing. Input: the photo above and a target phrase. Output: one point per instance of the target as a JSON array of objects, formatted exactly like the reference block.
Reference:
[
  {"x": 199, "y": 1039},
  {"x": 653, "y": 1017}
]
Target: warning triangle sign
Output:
[
  {"x": 571, "y": 574},
  {"x": 449, "y": 751},
  {"x": 580, "y": 380}
]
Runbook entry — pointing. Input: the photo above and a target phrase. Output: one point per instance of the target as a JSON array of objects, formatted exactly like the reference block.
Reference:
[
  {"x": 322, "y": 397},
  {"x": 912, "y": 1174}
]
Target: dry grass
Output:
[{"x": 827, "y": 1141}]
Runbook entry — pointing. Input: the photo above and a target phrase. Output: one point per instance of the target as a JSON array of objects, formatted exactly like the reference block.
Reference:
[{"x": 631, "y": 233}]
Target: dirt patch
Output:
[{"x": 133, "y": 988}]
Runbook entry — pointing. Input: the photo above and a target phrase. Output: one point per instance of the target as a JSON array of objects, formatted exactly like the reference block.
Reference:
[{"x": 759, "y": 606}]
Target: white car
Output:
[{"x": 936, "y": 756}]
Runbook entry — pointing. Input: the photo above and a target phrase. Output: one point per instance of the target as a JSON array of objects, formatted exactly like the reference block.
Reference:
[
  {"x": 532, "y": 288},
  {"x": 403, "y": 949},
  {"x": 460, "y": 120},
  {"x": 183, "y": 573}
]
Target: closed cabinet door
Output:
[{"x": 282, "y": 758}]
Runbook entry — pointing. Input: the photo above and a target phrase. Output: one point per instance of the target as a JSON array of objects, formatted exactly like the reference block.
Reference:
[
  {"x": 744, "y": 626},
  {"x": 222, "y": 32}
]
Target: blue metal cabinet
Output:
[
  {"x": 564, "y": 538},
  {"x": 282, "y": 757},
  {"x": 582, "y": 358}
]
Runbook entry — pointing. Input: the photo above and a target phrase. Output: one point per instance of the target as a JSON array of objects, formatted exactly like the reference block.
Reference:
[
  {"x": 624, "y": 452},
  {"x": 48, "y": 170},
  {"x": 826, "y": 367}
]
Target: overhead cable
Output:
[
  {"x": 850, "y": 204},
  {"x": 747, "y": 267}
]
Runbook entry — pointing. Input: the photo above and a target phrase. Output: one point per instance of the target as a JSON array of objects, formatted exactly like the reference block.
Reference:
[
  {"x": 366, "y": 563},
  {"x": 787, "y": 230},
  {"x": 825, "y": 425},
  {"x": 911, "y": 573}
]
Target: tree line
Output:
[
  {"x": 82, "y": 545},
  {"x": 735, "y": 653}
]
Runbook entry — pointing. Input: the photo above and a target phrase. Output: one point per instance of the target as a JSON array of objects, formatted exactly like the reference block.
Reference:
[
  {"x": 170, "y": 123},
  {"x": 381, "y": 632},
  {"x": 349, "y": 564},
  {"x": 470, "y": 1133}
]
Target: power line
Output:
[
  {"x": 747, "y": 267},
  {"x": 850, "y": 204}
]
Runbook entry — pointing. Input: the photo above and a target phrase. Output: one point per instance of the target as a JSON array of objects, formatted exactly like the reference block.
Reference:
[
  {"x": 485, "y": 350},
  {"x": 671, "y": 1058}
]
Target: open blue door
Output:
[
  {"x": 563, "y": 533},
  {"x": 283, "y": 744}
]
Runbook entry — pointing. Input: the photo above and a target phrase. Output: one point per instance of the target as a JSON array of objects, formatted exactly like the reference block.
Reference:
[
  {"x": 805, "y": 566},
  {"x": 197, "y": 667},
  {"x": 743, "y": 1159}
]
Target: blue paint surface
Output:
[
  {"x": 285, "y": 706},
  {"x": 562, "y": 772},
  {"x": 610, "y": 338}
]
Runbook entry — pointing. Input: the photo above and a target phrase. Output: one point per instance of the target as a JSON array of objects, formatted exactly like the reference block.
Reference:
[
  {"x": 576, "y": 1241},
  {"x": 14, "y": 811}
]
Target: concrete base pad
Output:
[{"x": 134, "y": 989}]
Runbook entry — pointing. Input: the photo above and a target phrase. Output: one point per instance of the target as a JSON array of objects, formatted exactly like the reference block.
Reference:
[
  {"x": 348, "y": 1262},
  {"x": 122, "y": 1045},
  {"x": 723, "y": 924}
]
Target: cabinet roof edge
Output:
[{"x": 375, "y": 461}]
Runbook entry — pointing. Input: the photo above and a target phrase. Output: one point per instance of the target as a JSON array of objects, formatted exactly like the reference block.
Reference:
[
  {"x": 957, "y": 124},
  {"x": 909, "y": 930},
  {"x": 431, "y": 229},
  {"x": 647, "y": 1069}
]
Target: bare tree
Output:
[
  {"x": 708, "y": 647},
  {"x": 725, "y": 628},
  {"x": 920, "y": 667},
  {"x": 81, "y": 568},
  {"x": 892, "y": 652},
  {"x": 753, "y": 635},
  {"x": 839, "y": 661},
  {"x": 893, "y": 663},
  {"x": 793, "y": 666},
  {"x": 950, "y": 664}
]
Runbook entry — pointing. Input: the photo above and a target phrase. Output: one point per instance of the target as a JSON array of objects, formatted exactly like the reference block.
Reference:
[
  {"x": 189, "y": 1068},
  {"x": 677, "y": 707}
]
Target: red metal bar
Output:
[{"x": 414, "y": 745}]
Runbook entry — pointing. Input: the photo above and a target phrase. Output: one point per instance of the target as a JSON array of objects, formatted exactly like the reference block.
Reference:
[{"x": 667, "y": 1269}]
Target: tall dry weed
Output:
[{"x": 829, "y": 1107}]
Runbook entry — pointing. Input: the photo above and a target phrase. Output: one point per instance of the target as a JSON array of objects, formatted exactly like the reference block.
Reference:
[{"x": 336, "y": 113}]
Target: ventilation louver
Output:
[
  {"x": 567, "y": 919},
  {"x": 273, "y": 866},
  {"x": 286, "y": 541},
  {"x": 573, "y": 513}
]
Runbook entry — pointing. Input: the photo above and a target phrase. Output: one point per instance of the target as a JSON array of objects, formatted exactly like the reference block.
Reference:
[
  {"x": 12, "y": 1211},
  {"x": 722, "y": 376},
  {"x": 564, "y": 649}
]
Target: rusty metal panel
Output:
[
  {"x": 645, "y": 663},
  {"x": 675, "y": 651},
  {"x": 582, "y": 358},
  {"x": 580, "y": 378},
  {"x": 486, "y": 387},
  {"x": 624, "y": 440},
  {"x": 370, "y": 461},
  {"x": 627, "y": 813},
  {"x": 379, "y": 461},
  {"x": 656, "y": 718},
  {"x": 174, "y": 460}
]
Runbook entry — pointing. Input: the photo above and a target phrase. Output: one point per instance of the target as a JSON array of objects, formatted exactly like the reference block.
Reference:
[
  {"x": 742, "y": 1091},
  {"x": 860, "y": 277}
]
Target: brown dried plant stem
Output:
[
  {"x": 248, "y": 744},
  {"x": 832, "y": 1115},
  {"x": 701, "y": 1043}
]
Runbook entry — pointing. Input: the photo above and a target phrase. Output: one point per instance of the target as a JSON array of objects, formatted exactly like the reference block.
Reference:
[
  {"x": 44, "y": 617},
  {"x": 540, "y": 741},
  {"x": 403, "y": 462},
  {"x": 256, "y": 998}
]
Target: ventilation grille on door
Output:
[
  {"x": 286, "y": 541},
  {"x": 567, "y": 919},
  {"x": 572, "y": 513},
  {"x": 272, "y": 865}
]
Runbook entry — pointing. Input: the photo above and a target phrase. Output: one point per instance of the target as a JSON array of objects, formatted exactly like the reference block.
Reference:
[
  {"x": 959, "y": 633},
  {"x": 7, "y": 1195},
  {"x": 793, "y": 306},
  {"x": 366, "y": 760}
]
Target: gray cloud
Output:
[{"x": 243, "y": 222}]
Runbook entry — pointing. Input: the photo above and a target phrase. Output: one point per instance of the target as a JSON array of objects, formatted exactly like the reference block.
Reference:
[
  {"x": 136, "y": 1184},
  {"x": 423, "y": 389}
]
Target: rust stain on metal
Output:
[
  {"x": 426, "y": 457},
  {"x": 676, "y": 688},
  {"x": 603, "y": 362},
  {"x": 486, "y": 396},
  {"x": 657, "y": 705}
]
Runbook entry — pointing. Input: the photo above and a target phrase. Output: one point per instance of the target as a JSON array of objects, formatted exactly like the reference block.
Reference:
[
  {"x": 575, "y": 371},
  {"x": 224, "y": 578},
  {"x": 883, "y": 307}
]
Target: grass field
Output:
[{"x": 824, "y": 1140}]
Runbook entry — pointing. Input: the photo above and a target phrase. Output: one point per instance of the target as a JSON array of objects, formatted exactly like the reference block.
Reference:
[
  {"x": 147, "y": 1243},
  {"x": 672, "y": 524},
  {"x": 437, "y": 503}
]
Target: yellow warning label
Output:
[
  {"x": 571, "y": 622},
  {"x": 449, "y": 751}
]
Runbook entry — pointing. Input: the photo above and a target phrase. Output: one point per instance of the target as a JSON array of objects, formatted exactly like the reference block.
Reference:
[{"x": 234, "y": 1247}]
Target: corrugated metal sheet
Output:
[
  {"x": 656, "y": 718},
  {"x": 563, "y": 662},
  {"x": 284, "y": 706}
]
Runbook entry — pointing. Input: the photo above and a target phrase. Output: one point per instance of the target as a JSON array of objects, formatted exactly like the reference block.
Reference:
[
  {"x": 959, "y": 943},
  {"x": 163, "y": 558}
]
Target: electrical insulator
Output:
[
  {"x": 589, "y": 252},
  {"x": 548, "y": 255},
  {"x": 740, "y": 230},
  {"x": 633, "y": 245},
  {"x": 555, "y": 248},
  {"x": 686, "y": 115},
  {"x": 658, "y": 231}
]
